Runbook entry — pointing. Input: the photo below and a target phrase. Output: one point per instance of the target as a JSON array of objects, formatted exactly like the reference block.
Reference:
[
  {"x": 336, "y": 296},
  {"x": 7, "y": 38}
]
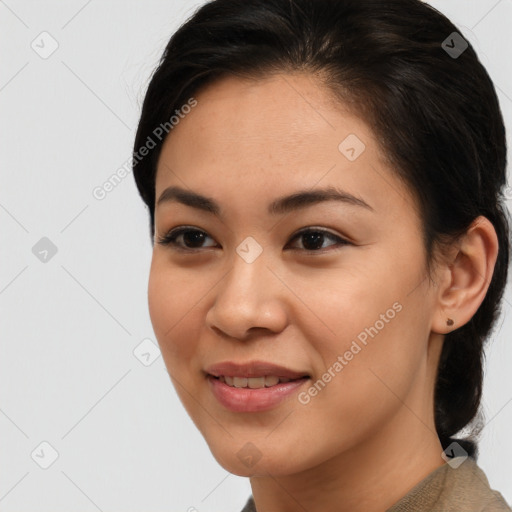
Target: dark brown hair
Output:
[{"x": 435, "y": 114}]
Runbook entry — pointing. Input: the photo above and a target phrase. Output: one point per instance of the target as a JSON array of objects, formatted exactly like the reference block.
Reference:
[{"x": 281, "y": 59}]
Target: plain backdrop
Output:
[{"x": 89, "y": 419}]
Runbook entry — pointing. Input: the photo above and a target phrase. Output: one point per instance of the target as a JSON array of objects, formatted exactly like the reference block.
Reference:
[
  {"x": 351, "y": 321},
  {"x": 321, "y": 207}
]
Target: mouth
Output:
[
  {"x": 253, "y": 394},
  {"x": 247, "y": 374},
  {"x": 254, "y": 386},
  {"x": 267, "y": 381}
]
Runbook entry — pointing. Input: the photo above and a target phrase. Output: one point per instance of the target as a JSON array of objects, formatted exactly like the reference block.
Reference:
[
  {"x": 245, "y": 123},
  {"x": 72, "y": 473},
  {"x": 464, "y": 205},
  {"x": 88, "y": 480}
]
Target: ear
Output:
[{"x": 465, "y": 277}]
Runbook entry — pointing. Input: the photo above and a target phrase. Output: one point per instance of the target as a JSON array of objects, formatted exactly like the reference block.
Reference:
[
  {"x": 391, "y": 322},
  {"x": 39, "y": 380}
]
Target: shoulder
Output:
[
  {"x": 458, "y": 486},
  {"x": 474, "y": 485}
]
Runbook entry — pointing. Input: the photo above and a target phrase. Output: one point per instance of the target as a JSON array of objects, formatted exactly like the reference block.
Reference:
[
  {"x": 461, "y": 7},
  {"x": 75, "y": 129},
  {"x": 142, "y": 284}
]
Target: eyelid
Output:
[
  {"x": 340, "y": 240},
  {"x": 173, "y": 233},
  {"x": 169, "y": 239}
]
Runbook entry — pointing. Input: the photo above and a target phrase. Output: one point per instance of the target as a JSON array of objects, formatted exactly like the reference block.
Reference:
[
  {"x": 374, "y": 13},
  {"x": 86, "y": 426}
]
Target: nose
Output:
[{"x": 249, "y": 299}]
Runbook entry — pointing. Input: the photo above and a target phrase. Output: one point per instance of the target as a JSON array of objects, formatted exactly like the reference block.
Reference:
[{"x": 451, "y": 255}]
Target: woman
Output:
[{"x": 330, "y": 247}]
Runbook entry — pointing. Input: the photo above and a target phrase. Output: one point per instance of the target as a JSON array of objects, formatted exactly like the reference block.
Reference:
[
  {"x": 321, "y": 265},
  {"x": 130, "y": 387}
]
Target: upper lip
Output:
[{"x": 253, "y": 369}]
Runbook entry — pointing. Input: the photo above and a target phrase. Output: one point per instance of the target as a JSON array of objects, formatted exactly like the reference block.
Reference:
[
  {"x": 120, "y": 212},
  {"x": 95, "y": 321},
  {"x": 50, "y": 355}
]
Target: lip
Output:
[
  {"x": 253, "y": 400},
  {"x": 253, "y": 369}
]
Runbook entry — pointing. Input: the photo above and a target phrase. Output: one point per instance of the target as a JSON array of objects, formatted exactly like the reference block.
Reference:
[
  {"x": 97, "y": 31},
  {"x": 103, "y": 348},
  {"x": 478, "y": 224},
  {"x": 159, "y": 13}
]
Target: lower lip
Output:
[{"x": 253, "y": 400}]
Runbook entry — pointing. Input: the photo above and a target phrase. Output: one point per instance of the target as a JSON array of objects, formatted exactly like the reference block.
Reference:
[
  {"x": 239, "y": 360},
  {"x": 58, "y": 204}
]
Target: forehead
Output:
[{"x": 259, "y": 138}]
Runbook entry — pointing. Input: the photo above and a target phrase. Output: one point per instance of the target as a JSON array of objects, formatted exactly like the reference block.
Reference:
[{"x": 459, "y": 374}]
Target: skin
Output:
[{"x": 369, "y": 436}]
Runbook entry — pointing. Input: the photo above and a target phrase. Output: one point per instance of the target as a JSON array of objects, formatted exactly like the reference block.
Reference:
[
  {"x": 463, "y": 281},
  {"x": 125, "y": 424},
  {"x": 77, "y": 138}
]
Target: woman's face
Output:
[{"x": 347, "y": 305}]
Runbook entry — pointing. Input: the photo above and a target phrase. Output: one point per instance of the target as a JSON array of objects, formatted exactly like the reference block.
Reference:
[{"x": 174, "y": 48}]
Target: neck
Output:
[{"x": 369, "y": 477}]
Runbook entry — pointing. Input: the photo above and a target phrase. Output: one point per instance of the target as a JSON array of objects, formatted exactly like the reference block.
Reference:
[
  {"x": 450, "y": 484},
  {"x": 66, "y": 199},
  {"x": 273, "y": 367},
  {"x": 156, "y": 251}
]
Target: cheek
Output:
[
  {"x": 174, "y": 302},
  {"x": 375, "y": 344},
  {"x": 348, "y": 308}
]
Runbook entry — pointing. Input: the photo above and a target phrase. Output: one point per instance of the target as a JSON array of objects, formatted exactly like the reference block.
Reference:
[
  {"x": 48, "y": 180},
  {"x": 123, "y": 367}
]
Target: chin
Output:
[{"x": 248, "y": 461}]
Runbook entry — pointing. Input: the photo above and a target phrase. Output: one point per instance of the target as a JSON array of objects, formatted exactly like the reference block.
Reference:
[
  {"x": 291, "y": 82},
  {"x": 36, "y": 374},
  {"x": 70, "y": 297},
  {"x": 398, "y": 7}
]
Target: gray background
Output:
[{"x": 71, "y": 324}]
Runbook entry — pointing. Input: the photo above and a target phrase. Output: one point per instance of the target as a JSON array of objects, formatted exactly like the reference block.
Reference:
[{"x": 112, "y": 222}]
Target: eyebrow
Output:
[{"x": 298, "y": 200}]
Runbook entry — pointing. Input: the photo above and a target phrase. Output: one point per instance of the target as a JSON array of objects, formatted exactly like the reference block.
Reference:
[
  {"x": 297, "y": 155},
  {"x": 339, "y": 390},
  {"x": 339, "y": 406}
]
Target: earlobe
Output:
[{"x": 467, "y": 277}]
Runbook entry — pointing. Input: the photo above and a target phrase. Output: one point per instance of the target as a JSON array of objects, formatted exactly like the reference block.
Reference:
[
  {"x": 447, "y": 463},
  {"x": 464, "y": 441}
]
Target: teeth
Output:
[
  {"x": 256, "y": 382},
  {"x": 253, "y": 382},
  {"x": 271, "y": 380},
  {"x": 240, "y": 382}
]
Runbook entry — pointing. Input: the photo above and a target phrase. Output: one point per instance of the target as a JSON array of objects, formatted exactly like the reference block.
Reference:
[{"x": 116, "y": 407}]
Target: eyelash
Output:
[{"x": 169, "y": 239}]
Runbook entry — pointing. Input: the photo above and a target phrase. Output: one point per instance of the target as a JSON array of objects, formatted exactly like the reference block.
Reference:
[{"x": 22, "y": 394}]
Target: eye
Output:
[
  {"x": 194, "y": 238},
  {"x": 313, "y": 237}
]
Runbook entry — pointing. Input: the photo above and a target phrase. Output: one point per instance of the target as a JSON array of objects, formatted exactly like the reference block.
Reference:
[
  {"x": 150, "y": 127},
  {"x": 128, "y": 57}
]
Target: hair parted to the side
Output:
[{"x": 437, "y": 119}]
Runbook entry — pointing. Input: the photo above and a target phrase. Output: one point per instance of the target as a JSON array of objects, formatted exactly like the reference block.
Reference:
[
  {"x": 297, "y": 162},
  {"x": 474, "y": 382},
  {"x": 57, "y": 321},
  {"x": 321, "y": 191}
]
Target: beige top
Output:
[{"x": 447, "y": 489}]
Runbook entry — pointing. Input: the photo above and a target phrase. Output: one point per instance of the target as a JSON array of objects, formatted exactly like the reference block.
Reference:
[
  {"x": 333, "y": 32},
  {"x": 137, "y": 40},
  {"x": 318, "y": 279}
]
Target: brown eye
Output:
[
  {"x": 192, "y": 239},
  {"x": 314, "y": 238}
]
